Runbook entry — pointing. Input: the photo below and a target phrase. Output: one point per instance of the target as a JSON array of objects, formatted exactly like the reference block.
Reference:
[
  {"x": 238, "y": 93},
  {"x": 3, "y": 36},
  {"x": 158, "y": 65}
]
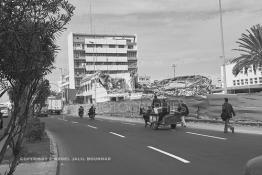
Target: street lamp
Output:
[
  {"x": 223, "y": 48},
  {"x": 94, "y": 67}
]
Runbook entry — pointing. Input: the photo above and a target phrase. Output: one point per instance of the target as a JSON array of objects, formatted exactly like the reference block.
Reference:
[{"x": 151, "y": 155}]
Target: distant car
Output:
[
  {"x": 4, "y": 111},
  {"x": 254, "y": 166},
  {"x": 43, "y": 112}
]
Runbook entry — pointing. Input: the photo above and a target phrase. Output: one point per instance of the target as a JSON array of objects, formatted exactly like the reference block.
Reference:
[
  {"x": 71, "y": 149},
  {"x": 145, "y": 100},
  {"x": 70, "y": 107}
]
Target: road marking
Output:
[
  {"x": 221, "y": 138},
  {"x": 168, "y": 154},
  {"x": 92, "y": 126},
  {"x": 59, "y": 119},
  {"x": 117, "y": 134},
  {"x": 74, "y": 122},
  {"x": 65, "y": 120},
  {"x": 129, "y": 123}
]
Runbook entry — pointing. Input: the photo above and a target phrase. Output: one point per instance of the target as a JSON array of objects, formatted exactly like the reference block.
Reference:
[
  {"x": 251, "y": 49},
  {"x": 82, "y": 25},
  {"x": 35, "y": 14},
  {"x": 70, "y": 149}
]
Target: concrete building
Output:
[
  {"x": 243, "y": 82},
  {"x": 144, "y": 79},
  {"x": 112, "y": 54}
]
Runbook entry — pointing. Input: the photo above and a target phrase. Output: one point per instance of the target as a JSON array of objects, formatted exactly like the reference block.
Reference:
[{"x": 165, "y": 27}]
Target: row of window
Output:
[
  {"x": 78, "y": 55},
  {"x": 250, "y": 70},
  {"x": 82, "y": 46},
  {"x": 247, "y": 81}
]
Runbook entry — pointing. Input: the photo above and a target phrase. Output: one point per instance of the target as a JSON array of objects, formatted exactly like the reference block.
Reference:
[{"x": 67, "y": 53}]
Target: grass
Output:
[{"x": 38, "y": 149}]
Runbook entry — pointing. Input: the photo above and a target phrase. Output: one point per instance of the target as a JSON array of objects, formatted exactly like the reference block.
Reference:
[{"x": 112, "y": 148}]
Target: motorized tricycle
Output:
[{"x": 161, "y": 116}]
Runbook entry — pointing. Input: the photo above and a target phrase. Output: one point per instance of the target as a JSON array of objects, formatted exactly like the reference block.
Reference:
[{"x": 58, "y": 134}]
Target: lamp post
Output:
[
  {"x": 223, "y": 48},
  {"x": 94, "y": 68}
]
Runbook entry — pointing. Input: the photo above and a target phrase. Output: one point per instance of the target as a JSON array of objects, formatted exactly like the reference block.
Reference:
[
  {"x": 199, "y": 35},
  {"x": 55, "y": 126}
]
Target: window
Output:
[
  {"x": 260, "y": 79},
  {"x": 241, "y": 71},
  {"x": 238, "y": 82},
  {"x": 255, "y": 80},
  {"x": 121, "y": 46},
  {"x": 112, "y": 46},
  {"x": 242, "y": 82},
  {"x": 130, "y": 47},
  {"x": 90, "y": 45},
  {"x": 99, "y": 45},
  {"x": 246, "y": 81},
  {"x": 234, "y": 82},
  {"x": 251, "y": 80}
]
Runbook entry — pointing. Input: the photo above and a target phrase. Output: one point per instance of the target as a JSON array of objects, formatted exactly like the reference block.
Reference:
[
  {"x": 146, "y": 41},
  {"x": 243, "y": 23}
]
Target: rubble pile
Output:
[{"x": 180, "y": 86}]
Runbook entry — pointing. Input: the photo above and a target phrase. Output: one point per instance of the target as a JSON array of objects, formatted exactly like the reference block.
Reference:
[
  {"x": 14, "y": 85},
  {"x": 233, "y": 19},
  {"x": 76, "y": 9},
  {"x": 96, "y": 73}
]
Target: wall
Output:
[{"x": 247, "y": 107}]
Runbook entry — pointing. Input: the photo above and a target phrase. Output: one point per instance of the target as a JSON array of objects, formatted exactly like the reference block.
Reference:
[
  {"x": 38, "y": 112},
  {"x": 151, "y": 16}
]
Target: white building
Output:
[
  {"x": 243, "y": 82},
  {"x": 112, "y": 54},
  {"x": 144, "y": 79}
]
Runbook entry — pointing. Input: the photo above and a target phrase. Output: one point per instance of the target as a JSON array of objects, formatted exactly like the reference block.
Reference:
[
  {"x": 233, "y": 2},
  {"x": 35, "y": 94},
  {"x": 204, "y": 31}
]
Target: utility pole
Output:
[
  {"x": 223, "y": 49},
  {"x": 174, "y": 67}
]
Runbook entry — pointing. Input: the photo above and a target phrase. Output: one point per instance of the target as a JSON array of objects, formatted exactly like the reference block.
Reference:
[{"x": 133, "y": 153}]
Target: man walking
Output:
[
  {"x": 183, "y": 109},
  {"x": 227, "y": 113}
]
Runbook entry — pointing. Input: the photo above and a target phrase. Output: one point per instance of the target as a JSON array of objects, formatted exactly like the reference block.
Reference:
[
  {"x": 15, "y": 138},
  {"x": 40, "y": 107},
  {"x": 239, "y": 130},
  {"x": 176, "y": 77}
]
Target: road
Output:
[{"x": 133, "y": 149}]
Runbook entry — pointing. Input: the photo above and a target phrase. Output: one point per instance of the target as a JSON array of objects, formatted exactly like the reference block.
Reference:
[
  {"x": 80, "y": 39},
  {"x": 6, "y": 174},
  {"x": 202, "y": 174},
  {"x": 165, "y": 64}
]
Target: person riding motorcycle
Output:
[
  {"x": 81, "y": 111},
  {"x": 92, "y": 112}
]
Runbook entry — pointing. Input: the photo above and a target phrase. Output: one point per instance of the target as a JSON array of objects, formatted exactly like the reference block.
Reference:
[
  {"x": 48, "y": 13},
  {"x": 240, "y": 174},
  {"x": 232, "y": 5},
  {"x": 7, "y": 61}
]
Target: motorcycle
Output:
[
  {"x": 92, "y": 113},
  {"x": 81, "y": 112}
]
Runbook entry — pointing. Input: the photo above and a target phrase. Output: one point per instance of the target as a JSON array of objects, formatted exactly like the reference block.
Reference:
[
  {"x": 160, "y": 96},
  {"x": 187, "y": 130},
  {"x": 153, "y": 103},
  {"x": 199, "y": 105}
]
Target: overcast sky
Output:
[{"x": 181, "y": 32}]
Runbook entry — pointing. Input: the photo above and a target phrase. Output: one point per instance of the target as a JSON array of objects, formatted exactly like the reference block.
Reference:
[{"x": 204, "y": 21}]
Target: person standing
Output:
[
  {"x": 227, "y": 113},
  {"x": 183, "y": 109}
]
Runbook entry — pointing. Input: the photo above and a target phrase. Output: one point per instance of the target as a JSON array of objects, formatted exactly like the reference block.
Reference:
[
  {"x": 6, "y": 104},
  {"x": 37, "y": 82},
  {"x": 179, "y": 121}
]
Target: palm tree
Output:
[{"x": 250, "y": 46}]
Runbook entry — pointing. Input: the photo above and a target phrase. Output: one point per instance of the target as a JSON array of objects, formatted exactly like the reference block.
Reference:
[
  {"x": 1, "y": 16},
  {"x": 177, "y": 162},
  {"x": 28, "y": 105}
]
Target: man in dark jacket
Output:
[
  {"x": 183, "y": 109},
  {"x": 227, "y": 112}
]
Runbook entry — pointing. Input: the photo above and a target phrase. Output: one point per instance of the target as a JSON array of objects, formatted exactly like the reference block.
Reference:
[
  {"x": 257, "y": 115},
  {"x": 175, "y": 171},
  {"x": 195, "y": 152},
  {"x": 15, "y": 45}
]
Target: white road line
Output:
[
  {"x": 74, "y": 122},
  {"x": 168, "y": 154},
  {"x": 221, "y": 138},
  {"x": 117, "y": 134},
  {"x": 65, "y": 120},
  {"x": 129, "y": 124},
  {"x": 92, "y": 127},
  {"x": 59, "y": 119}
]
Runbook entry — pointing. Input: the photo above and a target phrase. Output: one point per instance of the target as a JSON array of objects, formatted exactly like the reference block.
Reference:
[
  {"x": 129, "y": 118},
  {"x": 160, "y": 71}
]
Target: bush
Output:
[{"x": 35, "y": 130}]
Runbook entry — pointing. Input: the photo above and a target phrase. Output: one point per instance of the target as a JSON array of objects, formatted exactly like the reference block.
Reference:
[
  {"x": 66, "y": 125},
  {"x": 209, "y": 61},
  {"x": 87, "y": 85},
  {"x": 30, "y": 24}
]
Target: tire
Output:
[{"x": 173, "y": 126}]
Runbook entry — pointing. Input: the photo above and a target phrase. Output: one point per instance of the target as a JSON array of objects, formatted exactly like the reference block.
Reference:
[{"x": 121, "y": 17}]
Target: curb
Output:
[{"x": 53, "y": 150}]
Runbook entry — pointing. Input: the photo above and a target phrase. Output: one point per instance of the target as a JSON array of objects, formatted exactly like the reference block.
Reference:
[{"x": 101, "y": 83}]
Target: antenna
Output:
[{"x": 174, "y": 67}]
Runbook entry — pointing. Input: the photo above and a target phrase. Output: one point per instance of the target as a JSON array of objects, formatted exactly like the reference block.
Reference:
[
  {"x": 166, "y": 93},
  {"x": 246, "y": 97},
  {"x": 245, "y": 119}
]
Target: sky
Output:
[{"x": 181, "y": 32}]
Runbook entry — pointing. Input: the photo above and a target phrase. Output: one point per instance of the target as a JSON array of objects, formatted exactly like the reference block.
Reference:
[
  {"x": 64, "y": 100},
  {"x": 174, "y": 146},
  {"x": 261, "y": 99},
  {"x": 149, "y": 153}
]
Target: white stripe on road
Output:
[
  {"x": 65, "y": 120},
  {"x": 117, "y": 134},
  {"x": 74, "y": 122},
  {"x": 168, "y": 154},
  {"x": 221, "y": 138},
  {"x": 59, "y": 119},
  {"x": 92, "y": 126},
  {"x": 129, "y": 124}
]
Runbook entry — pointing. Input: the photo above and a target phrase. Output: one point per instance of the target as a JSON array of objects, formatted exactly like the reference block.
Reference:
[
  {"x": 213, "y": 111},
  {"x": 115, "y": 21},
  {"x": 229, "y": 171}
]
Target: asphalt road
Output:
[{"x": 133, "y": 149}]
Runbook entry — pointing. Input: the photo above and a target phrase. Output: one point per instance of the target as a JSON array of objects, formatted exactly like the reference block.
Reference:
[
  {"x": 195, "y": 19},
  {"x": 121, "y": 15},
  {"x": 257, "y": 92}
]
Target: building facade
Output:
[
  {"x": 111, "y": 54},
  {"x": 144, "y": 79},
  {"x": 243, "y": 82}
]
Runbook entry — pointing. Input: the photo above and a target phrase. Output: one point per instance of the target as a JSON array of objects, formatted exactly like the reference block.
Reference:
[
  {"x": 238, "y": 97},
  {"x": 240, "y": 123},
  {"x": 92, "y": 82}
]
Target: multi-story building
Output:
[
  {"x": 111, "y": 54},
  {"x": 250, "y": 81}
]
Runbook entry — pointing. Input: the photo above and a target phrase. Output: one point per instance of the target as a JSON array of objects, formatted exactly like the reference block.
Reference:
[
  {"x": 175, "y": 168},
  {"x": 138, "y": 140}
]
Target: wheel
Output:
[
  {"x": 155, "y": 126},
  {"x": 173, "y": 126}
]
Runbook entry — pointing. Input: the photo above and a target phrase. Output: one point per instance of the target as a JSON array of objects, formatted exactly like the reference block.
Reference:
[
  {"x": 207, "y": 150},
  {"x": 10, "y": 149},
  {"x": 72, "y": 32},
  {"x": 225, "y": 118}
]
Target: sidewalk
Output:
[
  {"x": 216, "y": 126},
  {"x": 37, "y": 168}
]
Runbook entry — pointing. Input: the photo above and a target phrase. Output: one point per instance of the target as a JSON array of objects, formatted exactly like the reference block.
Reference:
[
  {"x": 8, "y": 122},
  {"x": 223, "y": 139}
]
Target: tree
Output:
[
  {"x": 41, "y": 95},
  {"x": 250, "y": 46},
  {"x": 28, "y": 29}
]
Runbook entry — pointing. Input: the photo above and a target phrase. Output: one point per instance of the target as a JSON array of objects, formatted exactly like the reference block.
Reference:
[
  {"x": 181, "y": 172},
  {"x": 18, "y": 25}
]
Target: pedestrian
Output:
[
  {"x": 227, "y": 113},
  {"x": 183, "y": 110},
  {"x": 198, "y": 112}
]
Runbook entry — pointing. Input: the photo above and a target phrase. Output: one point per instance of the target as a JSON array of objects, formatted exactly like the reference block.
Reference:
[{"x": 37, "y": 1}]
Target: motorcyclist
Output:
[
  {"x": 92, "y": 112},
  {"x": 81, "y": 111}
]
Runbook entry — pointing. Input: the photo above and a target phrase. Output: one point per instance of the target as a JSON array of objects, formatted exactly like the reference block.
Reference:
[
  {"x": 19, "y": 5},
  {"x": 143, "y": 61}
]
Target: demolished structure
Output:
[{"x": 194, "y": 85}]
